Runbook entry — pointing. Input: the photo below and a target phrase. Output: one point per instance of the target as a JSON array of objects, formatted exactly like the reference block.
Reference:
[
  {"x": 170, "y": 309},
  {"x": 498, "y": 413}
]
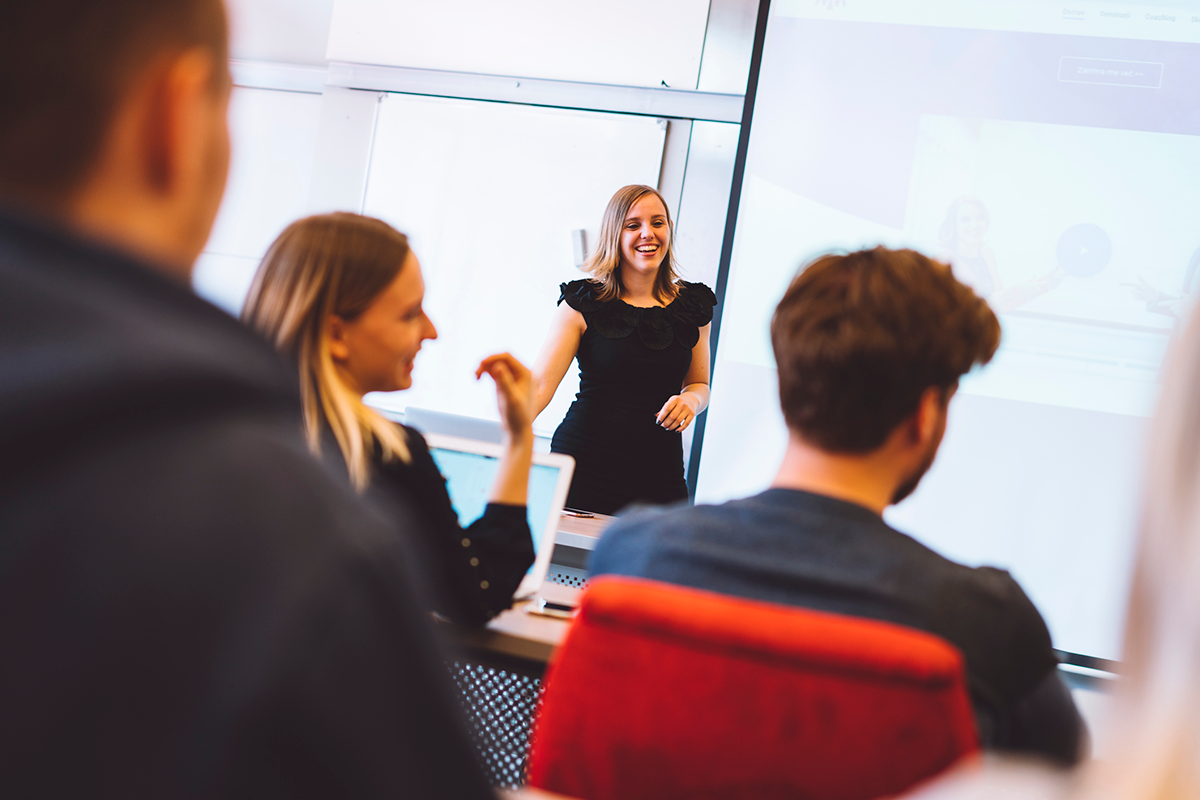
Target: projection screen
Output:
[{"x": 1051, "y": 153}]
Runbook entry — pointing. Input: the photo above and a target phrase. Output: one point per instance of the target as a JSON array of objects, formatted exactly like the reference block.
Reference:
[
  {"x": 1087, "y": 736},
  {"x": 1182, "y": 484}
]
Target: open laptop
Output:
[{"x": 470, "y": 466}]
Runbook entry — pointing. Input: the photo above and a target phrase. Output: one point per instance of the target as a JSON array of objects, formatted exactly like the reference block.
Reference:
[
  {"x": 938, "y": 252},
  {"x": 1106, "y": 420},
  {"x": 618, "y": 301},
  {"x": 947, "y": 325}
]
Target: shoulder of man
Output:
[
  {"x": 987, "y": 614},
  {"x": 637, "y": 535},
  {"x": 983, "y": 608}
]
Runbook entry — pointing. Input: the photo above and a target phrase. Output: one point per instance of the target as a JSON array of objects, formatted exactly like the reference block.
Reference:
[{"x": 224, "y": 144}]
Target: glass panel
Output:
[{"x": 489, "y": 194}]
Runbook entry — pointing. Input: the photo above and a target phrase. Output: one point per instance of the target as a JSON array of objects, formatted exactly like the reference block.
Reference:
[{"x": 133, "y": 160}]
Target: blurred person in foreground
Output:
[
  {"x": 870, "y": 347},
  {"x": 1154, "y": 750},
  {"x": 190, "y": 606}
]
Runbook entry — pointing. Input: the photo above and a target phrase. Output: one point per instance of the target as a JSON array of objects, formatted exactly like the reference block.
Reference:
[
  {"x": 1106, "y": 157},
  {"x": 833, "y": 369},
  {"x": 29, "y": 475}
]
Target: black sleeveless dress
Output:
[{"x": 631, "y": 361}]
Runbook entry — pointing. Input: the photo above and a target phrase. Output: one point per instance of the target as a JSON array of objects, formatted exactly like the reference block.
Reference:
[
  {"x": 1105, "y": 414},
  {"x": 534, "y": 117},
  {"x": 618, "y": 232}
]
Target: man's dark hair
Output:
[
  {"x": 65, "y": 66},
  {"x": 858, "y": 338}
]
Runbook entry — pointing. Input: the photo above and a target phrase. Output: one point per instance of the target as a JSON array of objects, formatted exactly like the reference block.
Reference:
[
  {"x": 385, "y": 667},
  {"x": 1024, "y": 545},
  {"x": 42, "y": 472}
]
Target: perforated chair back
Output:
[{"x": 661, "y": 692}]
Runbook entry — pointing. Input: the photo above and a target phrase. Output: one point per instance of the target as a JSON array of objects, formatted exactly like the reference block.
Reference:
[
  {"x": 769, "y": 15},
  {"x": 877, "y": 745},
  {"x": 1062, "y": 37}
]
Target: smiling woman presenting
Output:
[{"x": 641, "y": 337}]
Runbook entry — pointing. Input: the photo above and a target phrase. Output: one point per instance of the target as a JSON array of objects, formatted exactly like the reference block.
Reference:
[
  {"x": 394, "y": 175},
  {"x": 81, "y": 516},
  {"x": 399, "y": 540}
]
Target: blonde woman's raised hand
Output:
[
  {"x": 514, "y": 393},
  {"x": 514, "y": 396}
]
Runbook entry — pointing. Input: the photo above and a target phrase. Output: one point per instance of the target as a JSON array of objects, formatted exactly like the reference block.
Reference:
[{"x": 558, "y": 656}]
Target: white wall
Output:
[
  {"x": 274, "y": 138},
  {"x": 622, "y": 42},
  {"x": 285, "y": 31}
]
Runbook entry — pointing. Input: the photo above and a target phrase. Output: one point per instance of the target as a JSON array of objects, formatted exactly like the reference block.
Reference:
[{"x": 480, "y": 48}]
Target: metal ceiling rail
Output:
[{"x": 654, "y": 102}]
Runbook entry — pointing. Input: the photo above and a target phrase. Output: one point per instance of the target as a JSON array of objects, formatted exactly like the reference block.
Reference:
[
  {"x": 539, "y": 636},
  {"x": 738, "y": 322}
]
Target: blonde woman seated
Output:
[
  {"x": 1154, "y": 752},
  {"x": 340, "y": 294}
]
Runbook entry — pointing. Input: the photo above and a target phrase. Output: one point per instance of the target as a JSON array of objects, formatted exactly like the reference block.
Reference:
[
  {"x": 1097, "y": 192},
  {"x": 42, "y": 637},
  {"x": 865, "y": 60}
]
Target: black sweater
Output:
[
  {"x": 190, "y": 605},
  {"x": 475, "y": 570},
  {"x": 467, "y": 574}
]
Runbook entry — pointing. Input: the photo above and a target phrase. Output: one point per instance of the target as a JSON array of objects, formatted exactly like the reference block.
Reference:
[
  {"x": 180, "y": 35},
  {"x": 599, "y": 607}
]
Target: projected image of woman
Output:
[
  {"x": 641, "y": 337},
  {"x": 963, "y": 235},
  {"x": 341, "y": 296}
]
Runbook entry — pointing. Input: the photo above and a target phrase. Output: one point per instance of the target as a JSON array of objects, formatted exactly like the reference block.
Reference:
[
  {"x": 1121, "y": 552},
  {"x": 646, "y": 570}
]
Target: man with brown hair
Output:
[
  {"x": 869, "y": 348},
  {"x": 189, "y": 605}
]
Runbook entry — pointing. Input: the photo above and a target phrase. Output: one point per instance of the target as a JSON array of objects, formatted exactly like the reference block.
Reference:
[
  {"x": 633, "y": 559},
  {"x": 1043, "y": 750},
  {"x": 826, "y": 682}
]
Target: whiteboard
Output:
[{"x": 489, "y": 194}]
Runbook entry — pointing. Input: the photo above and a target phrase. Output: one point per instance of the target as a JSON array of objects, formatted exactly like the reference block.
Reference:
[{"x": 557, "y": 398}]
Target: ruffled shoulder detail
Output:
[
  {"x": 579, "y": 295},
  {"x": 691, "y": 311},
  {"x": 694, "y": 304},
  {"x": 612, "y": 320},
  {"x": 657, "y": 328}
]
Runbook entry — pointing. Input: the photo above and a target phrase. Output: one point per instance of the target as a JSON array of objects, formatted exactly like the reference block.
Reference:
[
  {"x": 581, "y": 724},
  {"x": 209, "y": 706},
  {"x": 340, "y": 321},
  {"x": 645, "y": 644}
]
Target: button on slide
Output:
[
  {"x": 1084, "y": 250},
  {"x": 1110, "y": 72}
]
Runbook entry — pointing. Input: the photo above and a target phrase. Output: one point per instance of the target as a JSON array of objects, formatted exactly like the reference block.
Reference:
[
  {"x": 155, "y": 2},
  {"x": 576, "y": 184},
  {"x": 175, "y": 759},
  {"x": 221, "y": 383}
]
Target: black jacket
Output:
[{"x": 190, "y": 605}]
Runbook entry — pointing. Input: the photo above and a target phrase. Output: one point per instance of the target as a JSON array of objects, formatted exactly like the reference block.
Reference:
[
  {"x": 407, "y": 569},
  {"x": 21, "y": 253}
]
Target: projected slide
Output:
[{"x": 1059, "y": 174}]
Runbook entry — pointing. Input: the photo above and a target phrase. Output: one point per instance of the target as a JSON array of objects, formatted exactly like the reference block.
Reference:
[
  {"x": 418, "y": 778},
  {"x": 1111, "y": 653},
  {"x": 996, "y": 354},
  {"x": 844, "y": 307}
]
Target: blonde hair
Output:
[
  {"x": 1158, "y": 708},
  {"x": 604, "y": 264},
  {"x": 331, "y": 264}
]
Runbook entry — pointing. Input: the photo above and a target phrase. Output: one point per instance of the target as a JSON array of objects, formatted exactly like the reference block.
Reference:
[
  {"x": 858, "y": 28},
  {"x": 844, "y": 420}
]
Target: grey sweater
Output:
[{"x": 796, "y": 548}]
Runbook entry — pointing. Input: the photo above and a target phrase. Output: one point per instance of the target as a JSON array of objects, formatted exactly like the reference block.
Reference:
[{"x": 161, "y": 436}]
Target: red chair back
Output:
[{"x": 661, "y": 691}]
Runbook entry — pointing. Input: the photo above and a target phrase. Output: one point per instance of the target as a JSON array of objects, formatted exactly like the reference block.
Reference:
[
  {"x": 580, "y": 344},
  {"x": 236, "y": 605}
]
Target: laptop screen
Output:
[{"x": 469, "y": 479}]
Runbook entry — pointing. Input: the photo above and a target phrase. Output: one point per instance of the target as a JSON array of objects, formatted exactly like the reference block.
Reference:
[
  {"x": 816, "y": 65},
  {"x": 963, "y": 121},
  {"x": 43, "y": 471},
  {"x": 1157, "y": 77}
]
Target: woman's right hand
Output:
[{"x": 514, "y": 394}]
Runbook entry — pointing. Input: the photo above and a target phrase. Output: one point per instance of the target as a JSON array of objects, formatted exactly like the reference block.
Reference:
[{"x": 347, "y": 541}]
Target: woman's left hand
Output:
[
  {"x": 678, "y": 412},
  {"x": 514, "y": 393}
]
